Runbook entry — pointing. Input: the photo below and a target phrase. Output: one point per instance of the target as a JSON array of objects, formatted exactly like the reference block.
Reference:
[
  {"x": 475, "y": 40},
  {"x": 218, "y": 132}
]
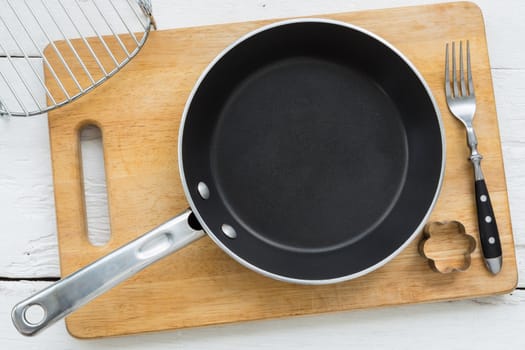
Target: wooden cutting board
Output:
[{"x": 139, "y": 112}]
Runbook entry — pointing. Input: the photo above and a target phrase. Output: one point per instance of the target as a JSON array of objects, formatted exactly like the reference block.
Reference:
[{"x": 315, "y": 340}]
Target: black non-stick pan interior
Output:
[{"x": 320, "y": 146}]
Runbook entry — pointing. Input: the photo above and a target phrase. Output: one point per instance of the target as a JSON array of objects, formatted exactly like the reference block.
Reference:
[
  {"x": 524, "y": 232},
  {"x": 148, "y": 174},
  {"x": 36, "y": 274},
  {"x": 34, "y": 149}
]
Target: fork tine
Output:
[
  {"x": 469, "y": 72},
  {"x": 454, "y": 72},
  {"x": 461, "y": 71},
  {"x": 448, "y": 93}
]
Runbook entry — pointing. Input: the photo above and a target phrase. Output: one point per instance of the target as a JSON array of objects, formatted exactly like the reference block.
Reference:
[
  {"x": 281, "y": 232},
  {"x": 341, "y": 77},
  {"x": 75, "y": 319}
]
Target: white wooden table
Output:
[{"x": 29, "y": 256}]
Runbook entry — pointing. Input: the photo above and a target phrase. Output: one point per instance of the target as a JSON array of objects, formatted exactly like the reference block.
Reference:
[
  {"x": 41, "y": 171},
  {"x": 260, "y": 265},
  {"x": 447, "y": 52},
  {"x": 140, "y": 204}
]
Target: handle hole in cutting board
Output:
[{"x": 94, "y": 185}]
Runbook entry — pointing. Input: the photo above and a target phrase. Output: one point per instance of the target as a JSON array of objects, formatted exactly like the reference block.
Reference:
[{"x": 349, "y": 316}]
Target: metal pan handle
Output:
[{"x": 70, "y": 293}]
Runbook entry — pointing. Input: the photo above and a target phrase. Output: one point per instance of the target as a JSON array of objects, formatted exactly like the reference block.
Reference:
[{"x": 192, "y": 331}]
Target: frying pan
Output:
[{"x": 311, "y": 151}]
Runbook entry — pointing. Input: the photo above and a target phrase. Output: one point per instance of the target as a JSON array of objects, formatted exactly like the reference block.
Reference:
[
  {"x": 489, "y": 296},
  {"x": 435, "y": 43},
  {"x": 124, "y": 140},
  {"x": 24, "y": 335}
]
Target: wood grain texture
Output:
[
  {"x": 453, "y": 325},
  {"x": 139, "y": 114},
  {"x": 16, "y": 12},
  {"x": 31, "y": 249}
]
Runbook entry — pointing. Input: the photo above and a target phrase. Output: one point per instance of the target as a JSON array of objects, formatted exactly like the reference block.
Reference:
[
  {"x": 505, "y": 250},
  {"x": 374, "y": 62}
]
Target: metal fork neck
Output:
[{"x": 475, "y": 156}]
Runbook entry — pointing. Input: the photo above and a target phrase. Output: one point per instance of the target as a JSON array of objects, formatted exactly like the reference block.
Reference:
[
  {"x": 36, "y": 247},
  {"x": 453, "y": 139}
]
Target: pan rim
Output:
[{"x": 253, "y": 267}]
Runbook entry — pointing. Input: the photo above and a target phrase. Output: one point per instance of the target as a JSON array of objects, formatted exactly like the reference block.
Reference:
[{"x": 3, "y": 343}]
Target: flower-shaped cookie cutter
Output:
[{"x": 447, "y": 246}]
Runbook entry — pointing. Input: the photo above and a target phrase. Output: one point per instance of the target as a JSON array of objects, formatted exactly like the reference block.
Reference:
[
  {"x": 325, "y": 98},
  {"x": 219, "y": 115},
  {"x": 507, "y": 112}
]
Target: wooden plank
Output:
[
  {"x": 21, "y": 84},
  {"x": 16, "y": 15},
  {"x": 27, "y": 203},
  {"x": 486, "y": 323},
  {"x": 24, "y": 257},
  {"x": 504, "y": 50},
  {"x": 200, "y": 285},
  {"x": 29, "y": 248},
  {"x": 509, "y": 91}
]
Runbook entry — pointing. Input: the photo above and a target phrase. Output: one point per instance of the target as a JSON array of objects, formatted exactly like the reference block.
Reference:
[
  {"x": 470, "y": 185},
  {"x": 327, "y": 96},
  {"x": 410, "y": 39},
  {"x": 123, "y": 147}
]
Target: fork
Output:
[{"x": 461, "y": 102}]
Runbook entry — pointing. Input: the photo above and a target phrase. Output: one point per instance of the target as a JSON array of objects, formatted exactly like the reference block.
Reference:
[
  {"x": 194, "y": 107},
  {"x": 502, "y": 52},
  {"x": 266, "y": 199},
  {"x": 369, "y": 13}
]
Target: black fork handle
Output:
[{"x": 488, "y": 228}]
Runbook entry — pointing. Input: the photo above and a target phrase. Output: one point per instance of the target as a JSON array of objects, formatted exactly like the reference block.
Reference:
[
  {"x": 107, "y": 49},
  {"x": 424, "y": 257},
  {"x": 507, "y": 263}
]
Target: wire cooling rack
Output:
[{"x": 58, "y": 39}]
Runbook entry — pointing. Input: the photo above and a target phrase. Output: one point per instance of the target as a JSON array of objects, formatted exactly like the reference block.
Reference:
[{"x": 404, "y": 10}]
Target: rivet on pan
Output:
[
  {"x": 203, "y": 189},
  {"x": 229, "y": 231}
]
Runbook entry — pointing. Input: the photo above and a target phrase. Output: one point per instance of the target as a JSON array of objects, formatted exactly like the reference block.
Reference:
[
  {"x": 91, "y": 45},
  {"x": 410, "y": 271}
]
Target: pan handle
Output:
[{"x": 70, "y": 293}]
